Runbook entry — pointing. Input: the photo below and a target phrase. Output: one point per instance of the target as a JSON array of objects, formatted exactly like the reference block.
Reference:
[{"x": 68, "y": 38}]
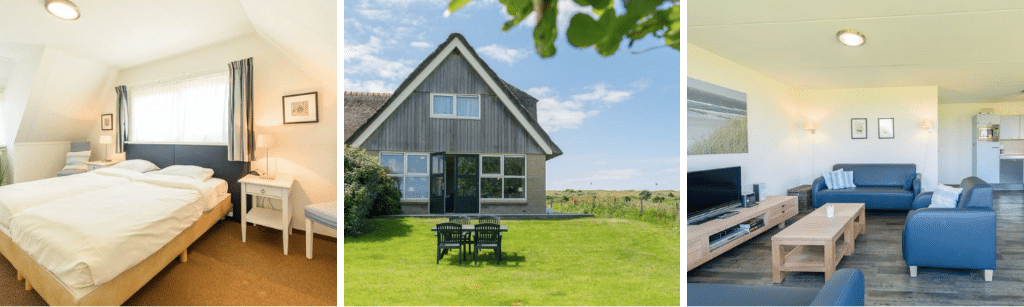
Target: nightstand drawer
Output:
[{"x": 261, "y": 190}]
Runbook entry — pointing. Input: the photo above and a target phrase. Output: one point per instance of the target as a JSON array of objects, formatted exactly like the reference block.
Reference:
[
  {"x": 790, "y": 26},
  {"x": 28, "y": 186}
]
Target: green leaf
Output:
[
  {"x": 584, "y": 31},
  {"x": 601, "y": 5},
  {"x": 518, "y": 9},
  {"x": 583, "y": 2},
  {"x": 545, "y": 33},
  {"x": 456, "y": 4}
]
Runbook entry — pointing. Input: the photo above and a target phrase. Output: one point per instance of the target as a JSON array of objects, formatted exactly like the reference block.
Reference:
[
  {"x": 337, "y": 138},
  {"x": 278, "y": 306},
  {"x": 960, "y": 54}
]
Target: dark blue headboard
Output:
[{"x": 210, "y": 156}]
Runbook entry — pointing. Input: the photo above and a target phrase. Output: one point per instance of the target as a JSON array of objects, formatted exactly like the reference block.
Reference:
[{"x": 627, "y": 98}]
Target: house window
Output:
[
  {"x": 502, "y": 177},
  {"x": 409, "y": 171},
  {"x": 455, "y": 106},
  {"x": 190, "y": 111}
]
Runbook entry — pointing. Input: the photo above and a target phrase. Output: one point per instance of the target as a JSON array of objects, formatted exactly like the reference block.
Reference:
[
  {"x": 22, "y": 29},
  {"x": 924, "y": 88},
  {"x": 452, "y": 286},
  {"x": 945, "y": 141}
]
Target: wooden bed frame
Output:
[{"x": 118, "y": 290}]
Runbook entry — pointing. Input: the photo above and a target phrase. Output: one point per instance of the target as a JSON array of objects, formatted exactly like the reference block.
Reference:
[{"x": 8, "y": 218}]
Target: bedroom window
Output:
[
  {"x": 455, "y": 106},
  {"x": 502, "y": 177},
  {"x": 409, "y": 171},
  {"x": 189, "y": 111}
]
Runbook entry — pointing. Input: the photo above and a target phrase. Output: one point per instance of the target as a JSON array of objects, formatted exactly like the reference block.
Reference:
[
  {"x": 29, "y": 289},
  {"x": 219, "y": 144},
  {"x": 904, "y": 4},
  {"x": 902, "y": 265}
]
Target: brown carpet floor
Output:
[{"x": 221, "y": 270}]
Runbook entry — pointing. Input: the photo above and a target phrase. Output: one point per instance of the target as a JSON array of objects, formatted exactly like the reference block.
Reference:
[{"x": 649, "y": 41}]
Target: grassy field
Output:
[
  {"x": 661, "y": 209},
  {"x": 592, "y": 261}
]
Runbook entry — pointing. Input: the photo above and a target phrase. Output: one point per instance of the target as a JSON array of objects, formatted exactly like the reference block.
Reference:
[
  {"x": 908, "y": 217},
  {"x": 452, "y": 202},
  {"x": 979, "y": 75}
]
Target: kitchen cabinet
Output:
[{"x": 1010, "y": 127}]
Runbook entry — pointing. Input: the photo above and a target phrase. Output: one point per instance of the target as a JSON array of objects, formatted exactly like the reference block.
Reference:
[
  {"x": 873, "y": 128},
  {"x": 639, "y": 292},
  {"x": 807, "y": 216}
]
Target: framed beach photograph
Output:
[
  {"x": 859, "y": 128},
  {"x": 886, "y": 129},
  {"x": 300, "y": 108},
  {"x": 107, "y": 122}
]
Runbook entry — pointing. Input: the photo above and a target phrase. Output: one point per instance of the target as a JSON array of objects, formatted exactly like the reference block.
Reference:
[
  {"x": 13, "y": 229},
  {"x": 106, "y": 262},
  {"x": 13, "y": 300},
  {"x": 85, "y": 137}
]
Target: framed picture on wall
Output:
[
  {"x": 300, "y": 108},
  {"x": 859, "y": 128},
  {"x": 886, "y": 129},
  {"x": 107, "y": 122}
]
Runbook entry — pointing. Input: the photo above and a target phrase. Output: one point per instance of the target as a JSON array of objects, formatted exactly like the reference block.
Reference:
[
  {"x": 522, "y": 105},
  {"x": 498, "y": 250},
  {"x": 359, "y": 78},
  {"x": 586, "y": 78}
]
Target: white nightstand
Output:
[
  {"x": 92, "y": 165},
  {"x": 278, "y": 188}
]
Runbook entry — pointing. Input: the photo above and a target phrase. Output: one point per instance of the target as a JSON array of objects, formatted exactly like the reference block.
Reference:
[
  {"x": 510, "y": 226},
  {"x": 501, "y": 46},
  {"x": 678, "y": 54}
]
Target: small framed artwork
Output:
[
  {"x": 300, "y": 108},
  {"x": 107, "y": 122},
  {"x": 886, "y": 129},
  {"x": 859, "y": 128}
]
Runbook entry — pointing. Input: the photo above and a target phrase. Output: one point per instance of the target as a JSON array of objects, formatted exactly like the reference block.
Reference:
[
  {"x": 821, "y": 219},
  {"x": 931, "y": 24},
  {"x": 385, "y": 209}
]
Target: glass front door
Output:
[
  {"x": 438, "y": 188},
  {"x": 467, "y": 183}
]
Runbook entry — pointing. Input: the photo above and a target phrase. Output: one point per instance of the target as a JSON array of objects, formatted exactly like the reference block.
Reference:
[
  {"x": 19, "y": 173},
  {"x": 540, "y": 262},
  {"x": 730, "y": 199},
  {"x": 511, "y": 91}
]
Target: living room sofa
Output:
[
  {"x": 845, "y": 288},
  {"x": 879, "y": 187},
  {"x": 959, "y": 238}
]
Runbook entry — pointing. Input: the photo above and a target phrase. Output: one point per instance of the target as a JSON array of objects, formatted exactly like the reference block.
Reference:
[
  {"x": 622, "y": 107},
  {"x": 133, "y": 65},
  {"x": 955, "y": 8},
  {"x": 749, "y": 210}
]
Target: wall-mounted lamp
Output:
[
  {"x": 927, "y": 124},
  {"x": 810, "y": 126}
]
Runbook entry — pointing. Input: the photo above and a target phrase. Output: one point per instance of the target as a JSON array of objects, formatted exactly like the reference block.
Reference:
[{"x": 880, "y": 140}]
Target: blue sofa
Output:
[
  {"x": 960, "y": 238},
  {"x": 879, "y": 187},
  {"x": 845, "y": 288}
]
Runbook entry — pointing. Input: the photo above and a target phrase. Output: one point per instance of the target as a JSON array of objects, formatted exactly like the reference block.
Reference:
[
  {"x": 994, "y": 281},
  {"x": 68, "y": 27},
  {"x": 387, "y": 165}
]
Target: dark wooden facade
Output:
[{"x": 411, "y": 129}]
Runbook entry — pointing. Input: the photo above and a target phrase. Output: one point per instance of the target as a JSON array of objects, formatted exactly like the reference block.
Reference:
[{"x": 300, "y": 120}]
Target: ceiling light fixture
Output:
[
  {"x": 851, "y": 37},
  {"x": 62, "y": 9}
]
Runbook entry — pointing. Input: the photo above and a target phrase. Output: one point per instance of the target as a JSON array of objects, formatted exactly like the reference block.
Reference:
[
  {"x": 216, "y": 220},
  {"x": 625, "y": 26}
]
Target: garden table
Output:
[{"x": 504, "y": 228}]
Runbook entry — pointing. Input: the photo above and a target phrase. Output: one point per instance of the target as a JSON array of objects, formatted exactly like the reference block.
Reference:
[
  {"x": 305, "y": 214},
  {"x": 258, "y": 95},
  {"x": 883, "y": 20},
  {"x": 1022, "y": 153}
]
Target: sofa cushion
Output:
[
  {"x": 879, "y": 175},
  {"x": 747, "y": 295},
  {"x": 945, "y": 197},
  {"x": 885, "y": 198}
]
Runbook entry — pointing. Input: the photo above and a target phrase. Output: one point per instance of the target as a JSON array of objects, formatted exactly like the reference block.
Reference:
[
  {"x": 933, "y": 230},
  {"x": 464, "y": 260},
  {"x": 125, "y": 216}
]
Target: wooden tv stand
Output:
[{"x": 775, "y": 210}]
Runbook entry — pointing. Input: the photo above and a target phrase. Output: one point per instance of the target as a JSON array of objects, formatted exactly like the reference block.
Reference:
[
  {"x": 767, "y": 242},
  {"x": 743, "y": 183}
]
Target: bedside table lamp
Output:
[
  {"x": 265, "y": 141},
  {"x": 105, "y": 139}
]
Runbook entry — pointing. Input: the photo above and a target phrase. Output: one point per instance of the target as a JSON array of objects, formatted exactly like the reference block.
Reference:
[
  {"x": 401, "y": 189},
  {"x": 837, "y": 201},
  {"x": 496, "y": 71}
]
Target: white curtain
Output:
[{"x": 191, "y": 111}]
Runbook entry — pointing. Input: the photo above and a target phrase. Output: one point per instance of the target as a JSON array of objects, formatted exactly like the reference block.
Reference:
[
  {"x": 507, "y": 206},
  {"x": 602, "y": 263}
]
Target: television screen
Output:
[{"x": 710, "y": 189}]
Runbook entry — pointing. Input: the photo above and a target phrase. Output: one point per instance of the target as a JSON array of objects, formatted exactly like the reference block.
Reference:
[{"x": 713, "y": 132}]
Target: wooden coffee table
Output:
[{"x": 813, "y": 242}]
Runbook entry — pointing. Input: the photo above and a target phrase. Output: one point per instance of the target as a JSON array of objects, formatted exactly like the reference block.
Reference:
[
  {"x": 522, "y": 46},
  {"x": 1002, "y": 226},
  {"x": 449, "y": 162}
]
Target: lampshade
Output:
[
  {"x": 810, "y": 126},
  {"x": 927, "y": 124},
  {"x": 264, "y": 140},
  {"x": 105, "y": 139},
  {"x": 62, "y": 9}
]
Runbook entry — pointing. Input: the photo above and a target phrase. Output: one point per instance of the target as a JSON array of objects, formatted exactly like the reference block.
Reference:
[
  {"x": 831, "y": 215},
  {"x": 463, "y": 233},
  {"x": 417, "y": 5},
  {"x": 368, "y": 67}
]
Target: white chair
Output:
[{"x": 324, "y": 214}]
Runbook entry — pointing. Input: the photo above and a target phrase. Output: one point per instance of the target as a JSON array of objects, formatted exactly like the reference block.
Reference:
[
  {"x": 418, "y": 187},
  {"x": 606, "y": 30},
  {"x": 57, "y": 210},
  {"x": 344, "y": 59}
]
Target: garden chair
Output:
[
  {"x": 467, "y": 236},
  {"x": 490, "y": 219},
  {"x": 488, "y": 236},
  {"x": 449, "y": 236}
]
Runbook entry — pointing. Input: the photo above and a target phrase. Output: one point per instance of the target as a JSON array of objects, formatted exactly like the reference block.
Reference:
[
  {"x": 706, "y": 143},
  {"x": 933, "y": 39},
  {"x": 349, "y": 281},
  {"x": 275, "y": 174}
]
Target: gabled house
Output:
[{"x": 457, "y": 138}]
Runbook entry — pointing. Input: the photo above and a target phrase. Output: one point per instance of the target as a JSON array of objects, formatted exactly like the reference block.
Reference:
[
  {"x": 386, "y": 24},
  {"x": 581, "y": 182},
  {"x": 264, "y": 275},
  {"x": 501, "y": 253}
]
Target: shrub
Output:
[{"x": 368, "y": 190}]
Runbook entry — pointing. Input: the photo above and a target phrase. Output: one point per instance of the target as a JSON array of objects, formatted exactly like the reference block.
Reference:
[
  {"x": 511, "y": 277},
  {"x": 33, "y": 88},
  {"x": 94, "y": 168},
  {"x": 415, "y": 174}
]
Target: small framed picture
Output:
[
  {"x": 300, "y": 108},
  {"x": 107, "y": 122},
  {"x": 886, "y": 129},
  {"x": 859, "y": 128}
]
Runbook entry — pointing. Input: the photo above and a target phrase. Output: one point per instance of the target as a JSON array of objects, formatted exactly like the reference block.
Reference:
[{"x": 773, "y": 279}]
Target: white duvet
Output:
[
  {"x": 17, "y": 197},
  {"x": 90, "y": 238}
]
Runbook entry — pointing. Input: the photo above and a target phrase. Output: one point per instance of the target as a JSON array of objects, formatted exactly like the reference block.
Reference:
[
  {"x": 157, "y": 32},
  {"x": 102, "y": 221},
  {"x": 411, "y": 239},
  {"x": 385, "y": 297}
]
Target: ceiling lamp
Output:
[
  {"x": 850, "y": 37},
  {"x": 62, "y": 9}
]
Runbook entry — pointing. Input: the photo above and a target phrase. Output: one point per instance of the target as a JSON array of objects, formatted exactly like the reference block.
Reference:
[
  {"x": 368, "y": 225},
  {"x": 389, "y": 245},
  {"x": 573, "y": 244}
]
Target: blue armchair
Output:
[
  {"x": 845, "y": 288},
  {"x": 960, "y": 238},
  {"x": 879, "y": 187}
]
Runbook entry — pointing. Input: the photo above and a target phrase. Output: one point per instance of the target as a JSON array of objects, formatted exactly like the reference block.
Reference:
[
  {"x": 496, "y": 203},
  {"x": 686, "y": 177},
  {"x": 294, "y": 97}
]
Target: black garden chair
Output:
[
  {"x": 488, "y": 236},
  {"x": 449, "y": 236},
  {"x": 467, "y": 237},
  {"x": 490, "y": 219}
]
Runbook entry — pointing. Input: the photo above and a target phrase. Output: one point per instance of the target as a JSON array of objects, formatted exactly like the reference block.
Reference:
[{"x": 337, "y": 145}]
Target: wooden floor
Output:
[{"x": 887, "y": 278}]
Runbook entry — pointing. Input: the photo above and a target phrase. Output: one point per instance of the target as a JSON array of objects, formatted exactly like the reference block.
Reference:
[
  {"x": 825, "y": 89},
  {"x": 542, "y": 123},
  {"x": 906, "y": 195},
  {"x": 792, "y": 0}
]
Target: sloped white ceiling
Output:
[
  {"x": 6, "y": 68},
  {"x": 306, "y": 31},
  {"x": 62, "y": 105},
  {"x": 972, "y": 50}
]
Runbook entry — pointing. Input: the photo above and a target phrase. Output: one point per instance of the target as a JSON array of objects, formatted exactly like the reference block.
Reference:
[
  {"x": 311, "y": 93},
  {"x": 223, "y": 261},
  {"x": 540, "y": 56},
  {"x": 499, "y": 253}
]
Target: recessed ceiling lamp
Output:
[
  {"x": 62, "y": 9},
  {"x": 850, "y": 37}
]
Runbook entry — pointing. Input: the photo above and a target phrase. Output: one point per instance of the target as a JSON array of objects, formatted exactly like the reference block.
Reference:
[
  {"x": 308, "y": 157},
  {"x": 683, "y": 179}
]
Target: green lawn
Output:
[{"x": 569, "y": 262}]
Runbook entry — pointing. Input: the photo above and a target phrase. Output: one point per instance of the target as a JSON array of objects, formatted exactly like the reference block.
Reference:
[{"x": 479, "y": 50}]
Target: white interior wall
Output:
[
  {"x": 955, "y": 134},
  {"x": 37, "y": 160},
  {"x": 833, "y": 109},
  {"x": 307, "y": 151},
  {"x": 776, "y": 141}
]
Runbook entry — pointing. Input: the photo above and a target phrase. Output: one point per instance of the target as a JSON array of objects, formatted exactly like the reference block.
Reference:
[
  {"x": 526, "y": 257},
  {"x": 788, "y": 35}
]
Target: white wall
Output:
[
  {"x": 833, "y": 109},
  {"x": 776, "y": 141},
  {"x": 37, "y": 160},
  {"x": 307, "y": 151},
  {"x": 955, "y": 134}
]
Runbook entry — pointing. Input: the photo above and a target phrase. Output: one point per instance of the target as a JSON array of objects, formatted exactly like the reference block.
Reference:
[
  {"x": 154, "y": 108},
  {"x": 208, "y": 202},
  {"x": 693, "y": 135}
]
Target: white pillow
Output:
[
  {"x": 848, "y": 180},
  {"x": 829, "y": 183},
  {"x": 839, "y": 180},
  {"x": 187, "y": 171},
  {"x": 945, "y": 197},
  {"x": 77, "y": 159},
  {"x": 137, "y": 165}
]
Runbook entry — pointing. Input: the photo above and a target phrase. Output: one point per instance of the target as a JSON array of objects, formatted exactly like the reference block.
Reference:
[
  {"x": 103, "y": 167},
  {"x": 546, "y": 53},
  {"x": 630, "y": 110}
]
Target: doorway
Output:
[{"x": 454, "y": 183}]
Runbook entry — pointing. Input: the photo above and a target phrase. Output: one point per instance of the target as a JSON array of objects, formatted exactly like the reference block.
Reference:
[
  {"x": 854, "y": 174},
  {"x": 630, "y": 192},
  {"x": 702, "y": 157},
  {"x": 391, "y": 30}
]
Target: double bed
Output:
[{"x": 61, "y": 243}]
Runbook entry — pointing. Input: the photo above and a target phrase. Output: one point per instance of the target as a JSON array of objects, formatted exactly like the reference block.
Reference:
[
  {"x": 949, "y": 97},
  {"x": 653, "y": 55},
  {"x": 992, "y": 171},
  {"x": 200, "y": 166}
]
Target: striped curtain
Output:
[
  {"x": 122, "y": 117},
  {"x": 240, "y": 115}
]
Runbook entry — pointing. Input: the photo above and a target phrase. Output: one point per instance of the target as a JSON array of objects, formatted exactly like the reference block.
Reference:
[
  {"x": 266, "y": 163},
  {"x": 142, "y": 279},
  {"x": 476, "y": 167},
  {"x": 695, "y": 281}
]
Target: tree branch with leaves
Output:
[{"x": 640, "y": 19}]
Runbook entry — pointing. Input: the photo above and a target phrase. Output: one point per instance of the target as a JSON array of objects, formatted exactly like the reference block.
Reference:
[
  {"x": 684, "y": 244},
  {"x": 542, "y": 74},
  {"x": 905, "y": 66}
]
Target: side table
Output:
[
  {"x": 278, "y": 188},
  {"x": 803, "y": 194}
]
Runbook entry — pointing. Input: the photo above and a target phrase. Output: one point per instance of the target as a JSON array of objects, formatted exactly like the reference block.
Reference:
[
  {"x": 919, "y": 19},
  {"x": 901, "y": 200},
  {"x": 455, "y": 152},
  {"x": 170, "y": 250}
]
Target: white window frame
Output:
[
  {"x": 455, "y": 106},
  {"x": 502, "y": 177},
  {"x": 405, "y": 175}
]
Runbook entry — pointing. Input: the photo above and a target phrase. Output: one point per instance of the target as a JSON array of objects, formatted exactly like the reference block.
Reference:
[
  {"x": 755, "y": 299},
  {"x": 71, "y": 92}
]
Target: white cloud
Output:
[
  {"x": 553, "y": 114},
  {"x": 371, "y": 86},
  {"x": 641, "y": 84},
  {"x": 376, "y": 14},
  {"x": 608, "y": 174},
  {"x": 361, "y": 59},
  {"x": 507, "y": 55},
  {"x": 601, "y": 93},
  {"x": 420, "y": 44},
  {"x": 566, "y": 9},
  {"x": 359, "y": 51}
]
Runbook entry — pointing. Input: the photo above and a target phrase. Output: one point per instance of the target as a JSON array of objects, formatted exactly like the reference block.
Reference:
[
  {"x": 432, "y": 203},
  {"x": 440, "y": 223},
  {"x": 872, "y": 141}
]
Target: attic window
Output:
[{"x": 455, "y": 106}]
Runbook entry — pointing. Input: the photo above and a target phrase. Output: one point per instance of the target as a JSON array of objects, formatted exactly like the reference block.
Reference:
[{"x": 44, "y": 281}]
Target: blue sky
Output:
[{"x": 616, "y": 119}]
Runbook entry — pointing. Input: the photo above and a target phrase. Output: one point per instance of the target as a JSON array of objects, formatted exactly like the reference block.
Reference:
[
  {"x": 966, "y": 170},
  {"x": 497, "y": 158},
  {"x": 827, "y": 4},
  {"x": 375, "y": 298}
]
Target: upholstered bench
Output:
[{"x": 324, "y": 214}]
